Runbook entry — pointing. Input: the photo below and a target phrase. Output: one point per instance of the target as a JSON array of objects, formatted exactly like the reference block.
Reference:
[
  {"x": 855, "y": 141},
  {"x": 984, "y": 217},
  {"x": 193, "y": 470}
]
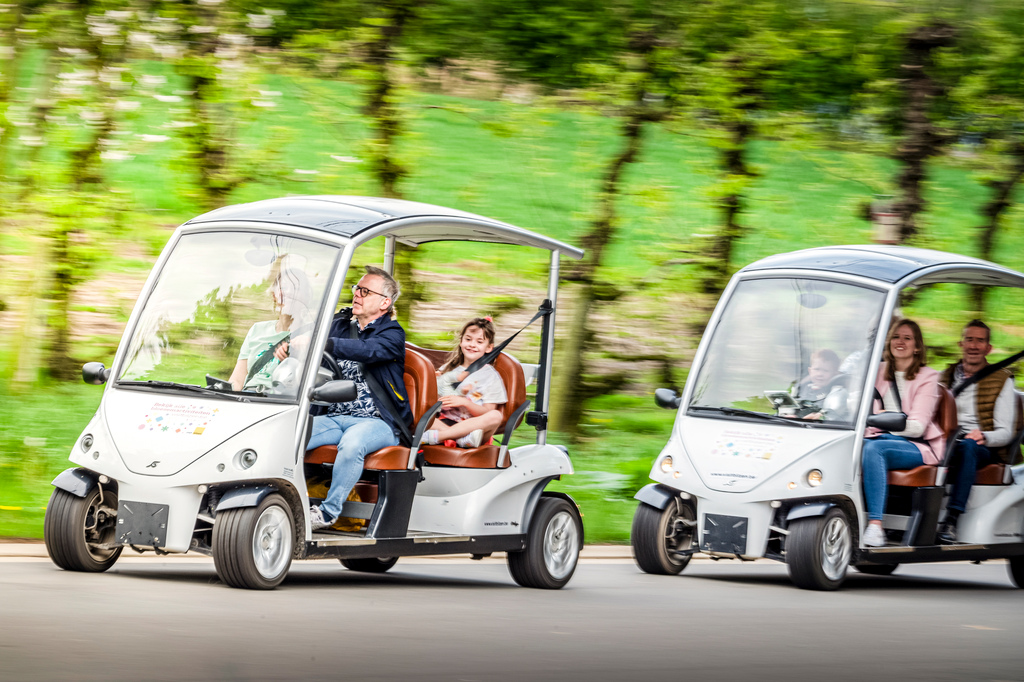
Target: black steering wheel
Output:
[{"x": 331, "y": 364}]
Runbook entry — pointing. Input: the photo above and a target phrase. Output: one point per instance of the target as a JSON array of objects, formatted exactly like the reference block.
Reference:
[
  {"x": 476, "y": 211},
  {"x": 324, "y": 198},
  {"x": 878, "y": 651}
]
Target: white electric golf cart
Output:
[
  {"x": 180, "y": 458},
  {"x": 753, "y": 471}
]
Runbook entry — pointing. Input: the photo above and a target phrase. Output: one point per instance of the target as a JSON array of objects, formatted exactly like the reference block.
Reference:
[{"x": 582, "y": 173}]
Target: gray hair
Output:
[{"x": 390, "y": 287}]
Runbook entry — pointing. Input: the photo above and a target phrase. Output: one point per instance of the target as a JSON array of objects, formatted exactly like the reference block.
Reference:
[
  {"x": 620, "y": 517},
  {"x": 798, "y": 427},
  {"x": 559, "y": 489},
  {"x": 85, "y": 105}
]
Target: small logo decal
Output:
[{"x": 152, "y": 465}]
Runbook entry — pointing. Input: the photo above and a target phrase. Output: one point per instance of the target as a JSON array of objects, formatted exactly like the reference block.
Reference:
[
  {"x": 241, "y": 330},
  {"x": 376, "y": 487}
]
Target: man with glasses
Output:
[{"x": 367, "y": 423}]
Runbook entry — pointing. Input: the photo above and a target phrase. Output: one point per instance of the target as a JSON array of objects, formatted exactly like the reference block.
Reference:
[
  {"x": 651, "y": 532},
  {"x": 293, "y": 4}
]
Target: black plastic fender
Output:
[
  {"x": 656, "y": 495},
  {"x": 77, "y": 481},
  {"x": 809, "y": 509},
  {"x": 535, "y": 495},
  {"x": 248, "y": 496}
]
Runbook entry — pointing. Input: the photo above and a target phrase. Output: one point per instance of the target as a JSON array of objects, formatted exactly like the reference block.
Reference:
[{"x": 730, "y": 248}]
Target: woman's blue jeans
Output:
[
  {"x": 882, "y": 453},
  {"x": 356, "y": 437}
]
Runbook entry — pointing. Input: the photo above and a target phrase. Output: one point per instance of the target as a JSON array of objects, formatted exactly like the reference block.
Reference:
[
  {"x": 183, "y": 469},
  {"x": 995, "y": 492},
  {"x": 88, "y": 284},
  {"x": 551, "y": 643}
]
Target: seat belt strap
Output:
[{"x": 984, "y": 372}]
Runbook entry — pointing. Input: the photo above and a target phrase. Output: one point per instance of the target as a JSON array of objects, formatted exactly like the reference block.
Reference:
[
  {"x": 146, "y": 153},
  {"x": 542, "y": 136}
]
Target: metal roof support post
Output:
[
  {"x": 389, "y": 255},
  {"x": 544, "y": 389}
]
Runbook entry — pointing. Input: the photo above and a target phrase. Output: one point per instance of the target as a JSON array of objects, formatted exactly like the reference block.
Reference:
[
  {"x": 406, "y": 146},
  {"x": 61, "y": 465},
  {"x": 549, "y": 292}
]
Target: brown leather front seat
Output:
[
  {"x": 926, "y": 474},
  {"x": 421, "y": 387},
  {"x": 999, "y": 474},
  {"x": 486, "y": 456}
]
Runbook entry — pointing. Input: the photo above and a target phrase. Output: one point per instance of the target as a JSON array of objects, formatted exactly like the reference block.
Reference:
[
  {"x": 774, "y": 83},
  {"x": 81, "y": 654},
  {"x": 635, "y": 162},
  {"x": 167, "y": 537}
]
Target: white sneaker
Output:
[
  {"x": 430, "y": 437},
  {"x": 472, "y": 440},
  {"x": 874, "y": 536},
  {"x": 317, "y": 520}
]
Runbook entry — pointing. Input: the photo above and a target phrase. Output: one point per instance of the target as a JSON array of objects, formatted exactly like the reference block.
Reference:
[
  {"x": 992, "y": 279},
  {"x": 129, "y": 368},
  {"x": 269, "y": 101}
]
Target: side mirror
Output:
[
  {"x": 667, "y": 398},
  {"x": 339, "y": 391},
  {"x": 888, "y": 421},
  {"x": 95, "y": 373}
]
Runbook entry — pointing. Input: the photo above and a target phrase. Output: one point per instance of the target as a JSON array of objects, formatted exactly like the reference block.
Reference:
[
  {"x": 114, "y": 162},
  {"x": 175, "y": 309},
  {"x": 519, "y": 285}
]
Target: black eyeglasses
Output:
[{"x": 364, "y": 292}]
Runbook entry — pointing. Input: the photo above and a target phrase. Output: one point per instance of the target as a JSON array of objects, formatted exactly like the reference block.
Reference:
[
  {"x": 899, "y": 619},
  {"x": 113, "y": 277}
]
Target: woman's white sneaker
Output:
[{"x": 874, "y": 536}]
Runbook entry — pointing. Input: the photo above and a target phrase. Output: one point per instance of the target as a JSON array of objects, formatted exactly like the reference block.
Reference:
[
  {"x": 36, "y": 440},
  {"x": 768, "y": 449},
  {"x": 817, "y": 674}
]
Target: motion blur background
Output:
[{"x": 674, "y": 140}]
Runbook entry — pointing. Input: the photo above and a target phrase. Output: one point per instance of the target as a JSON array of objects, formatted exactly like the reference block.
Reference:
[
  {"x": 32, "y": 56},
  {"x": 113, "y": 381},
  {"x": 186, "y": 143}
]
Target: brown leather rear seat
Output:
[
  {"x": 927, "y": 474},
  {"x": 486, "y": 456}
]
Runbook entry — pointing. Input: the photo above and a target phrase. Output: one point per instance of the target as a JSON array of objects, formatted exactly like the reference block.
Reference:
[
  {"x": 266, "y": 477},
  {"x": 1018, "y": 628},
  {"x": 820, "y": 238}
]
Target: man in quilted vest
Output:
[{"x": 985, "y": 411}]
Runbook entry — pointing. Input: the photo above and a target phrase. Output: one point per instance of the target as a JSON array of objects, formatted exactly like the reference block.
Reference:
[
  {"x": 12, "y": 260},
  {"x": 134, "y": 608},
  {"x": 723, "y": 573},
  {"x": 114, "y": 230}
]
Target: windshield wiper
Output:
[
  {"x": 185, "y": 387},
  {"x": 738, "y": 412}
]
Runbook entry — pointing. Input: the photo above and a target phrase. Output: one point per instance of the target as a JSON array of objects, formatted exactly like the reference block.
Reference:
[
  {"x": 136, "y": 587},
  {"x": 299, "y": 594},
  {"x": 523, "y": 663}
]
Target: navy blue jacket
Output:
[{"x": 381, "y": 349}]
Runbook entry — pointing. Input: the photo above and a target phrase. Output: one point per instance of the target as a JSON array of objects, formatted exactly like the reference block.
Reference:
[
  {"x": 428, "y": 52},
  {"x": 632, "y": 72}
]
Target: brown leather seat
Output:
[
  {"x": 926, "y": 474},
  {"x": 993, "y": 474},
  {"x": 485, "y": 457},
  {"x": 421, "y": 387}
]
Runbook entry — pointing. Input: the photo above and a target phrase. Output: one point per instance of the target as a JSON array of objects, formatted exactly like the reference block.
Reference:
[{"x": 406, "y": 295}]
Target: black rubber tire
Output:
[
  {"x": 529, "y": 567},
  {"x": 652, "y": 542},
  {"x": 1016, "y": 568},
  {"x": 877, "y": 569},
  {"x": 234, "y": 544},
  {"x": 69, "y": 542},
  {"x": 371, "y": 565},
  {"x": 804, "y": 551}
]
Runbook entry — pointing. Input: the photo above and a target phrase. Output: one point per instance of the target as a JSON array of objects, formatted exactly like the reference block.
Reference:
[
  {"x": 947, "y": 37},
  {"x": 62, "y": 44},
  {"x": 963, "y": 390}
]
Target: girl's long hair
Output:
[
  {"x": 920, "y": 352},
  {"x": 456, "y": 358}
]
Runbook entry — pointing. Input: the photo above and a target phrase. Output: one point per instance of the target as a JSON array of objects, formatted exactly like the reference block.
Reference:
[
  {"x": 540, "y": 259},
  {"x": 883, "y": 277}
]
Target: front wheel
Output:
[
  {"x": 252, "y": 546},
  {"x": 372, "y": 565},
  {"x": 552, "y": 546},
  {"x": 818, "y": 551},
  {"x": 80, "y": 531},
  {"x": 1016, "y": 567},
  {"x": 659, "y": 534}
]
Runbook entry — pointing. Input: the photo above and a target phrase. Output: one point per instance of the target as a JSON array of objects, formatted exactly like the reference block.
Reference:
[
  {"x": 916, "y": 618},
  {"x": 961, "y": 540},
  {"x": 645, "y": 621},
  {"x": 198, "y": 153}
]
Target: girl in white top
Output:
[{"x": 470, "y": 413}]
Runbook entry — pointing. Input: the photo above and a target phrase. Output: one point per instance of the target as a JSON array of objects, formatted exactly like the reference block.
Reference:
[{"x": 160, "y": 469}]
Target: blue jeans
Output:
[
  {"x": 882, "y": 453},
  {"x": 968, "y": 457},
  {"x": 356, "y": 437}
]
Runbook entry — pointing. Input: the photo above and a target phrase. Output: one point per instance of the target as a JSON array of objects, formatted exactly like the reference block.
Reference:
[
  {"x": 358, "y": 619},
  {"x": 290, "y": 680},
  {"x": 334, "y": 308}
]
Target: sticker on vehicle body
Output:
[{"x": 184, "y": 420}]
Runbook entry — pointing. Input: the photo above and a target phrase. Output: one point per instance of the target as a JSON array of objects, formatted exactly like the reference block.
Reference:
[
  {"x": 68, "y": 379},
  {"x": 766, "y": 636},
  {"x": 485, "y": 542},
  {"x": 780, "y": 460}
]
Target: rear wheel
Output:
[
  {"x": 877, "y": 569},
  {"x": 371, "y": 565},
  {"x": 658, "y": 534},
  {"x": 1016, "y": 567},
  {"x": 80, "y": 531},
  {"x": 818, "y": 551},
  {"x": 552, "y": 546},
  {"x": 252, "y": 546}
]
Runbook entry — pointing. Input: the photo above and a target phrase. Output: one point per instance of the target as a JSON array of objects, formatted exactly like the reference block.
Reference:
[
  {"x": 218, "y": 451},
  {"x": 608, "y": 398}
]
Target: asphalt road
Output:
[{"x": 161, "y": 619}]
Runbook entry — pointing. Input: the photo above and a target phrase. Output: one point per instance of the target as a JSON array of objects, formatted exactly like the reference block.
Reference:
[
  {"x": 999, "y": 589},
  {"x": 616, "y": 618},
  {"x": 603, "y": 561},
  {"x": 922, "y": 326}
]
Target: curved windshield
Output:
[
  {"x": 224, "y": 313},
  {"x": 790, "y": 351}
]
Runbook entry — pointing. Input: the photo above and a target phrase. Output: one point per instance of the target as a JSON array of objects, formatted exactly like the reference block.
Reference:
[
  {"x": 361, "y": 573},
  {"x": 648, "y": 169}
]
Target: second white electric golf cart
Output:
[
  {"x": 750, "y": 471},
  {"x": 179, "y": 458}
]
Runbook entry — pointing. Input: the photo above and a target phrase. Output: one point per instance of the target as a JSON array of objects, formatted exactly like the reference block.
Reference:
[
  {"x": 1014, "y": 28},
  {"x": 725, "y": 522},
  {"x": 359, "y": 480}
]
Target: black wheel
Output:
[
  {"x": 252, "y": 546},
  {"x": 659, "y": 533},
  {"x": 818, "y": 551},
  {"x": 877, "y": 569},
  {"x": 552, "y": 546},
  {"x": 372, "y": 565},
  {"x": 1016, "y": 567},
  {"x": 80, "y": 531}
]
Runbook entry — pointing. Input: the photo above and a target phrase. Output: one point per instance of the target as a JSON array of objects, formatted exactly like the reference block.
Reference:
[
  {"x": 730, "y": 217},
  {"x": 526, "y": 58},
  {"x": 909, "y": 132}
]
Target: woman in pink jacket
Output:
[{"x": 922, "y": 441}]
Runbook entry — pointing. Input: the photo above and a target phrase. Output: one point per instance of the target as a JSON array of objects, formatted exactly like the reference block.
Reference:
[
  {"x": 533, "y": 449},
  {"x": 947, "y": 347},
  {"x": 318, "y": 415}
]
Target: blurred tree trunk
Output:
[
  {"x": 743, "y": 100},
  {"x": 574, "y": 388},
  {"x": 10, "y": 68},
  {"x": 59, "y": 363},
  {"x": 385, "y": 120},
  {"x": 921, "y": 140},
  {"x": 993, "y": 211}
]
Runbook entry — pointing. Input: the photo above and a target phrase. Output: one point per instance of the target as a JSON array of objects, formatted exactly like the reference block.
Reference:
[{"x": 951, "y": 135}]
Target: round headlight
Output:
[
  {"x": 666, "y": 464},
  {"x": 87, "y": 442},
  {"x": 246, "y": 458},
  {"x": 814, "y": 478}
]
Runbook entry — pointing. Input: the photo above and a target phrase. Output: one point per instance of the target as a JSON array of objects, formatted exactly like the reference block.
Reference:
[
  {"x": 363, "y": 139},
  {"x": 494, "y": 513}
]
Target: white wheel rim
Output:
[
  {"x": 272, "y": 542},
  {"x": 836, "y": 548},
  {"x": 561, "y": 545}
]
